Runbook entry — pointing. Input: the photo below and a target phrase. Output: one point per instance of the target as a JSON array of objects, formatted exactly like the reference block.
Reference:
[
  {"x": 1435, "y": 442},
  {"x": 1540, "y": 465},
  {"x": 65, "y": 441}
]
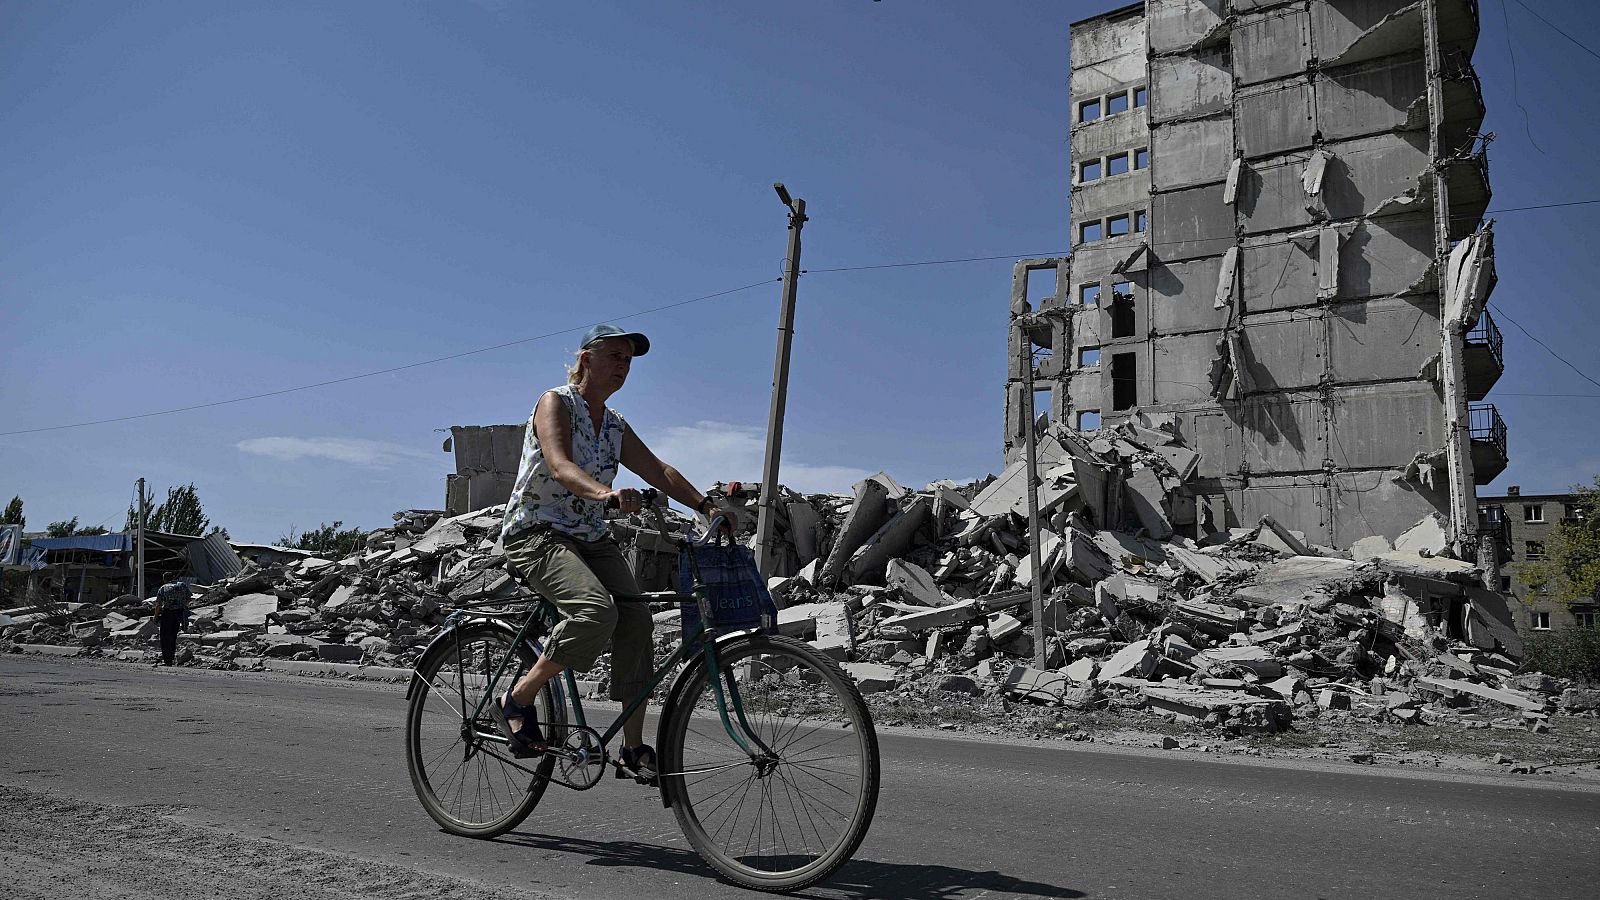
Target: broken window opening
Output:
[
  {"x": 1533, "y": 512},
  {"x": 1117, "y": 164},
  {"x": 1124, "y": 288},
  {"x": 1141, "y": 158},
  {"x": 1124, "y": 381},
  {"x": 1089, "y": 420},
  {"x": 1533, "y": 549},
  {"x": 1122, "y": 315},
  {"x": 1089, "y": 171},
  {"x": 1117, "y": 103},
  {"x": 1505, "y": 584},
  {"x": 1089, "y": 231},
  {"x": 1041, "y": 285},
  {"x": 1089, "y": 110},
  {"x": 1139, "y": 221},
  {"x": 1041, "y": 404},
  {"x": 1141, "y": 96},
  {"x": 1583, "y": 619},
  {"x": 1571, "y": 512},
  {"x": 1089, "y": 356},
  {"x": 1116, "y": 226},
  {"x": 1089, "y": 294},
  {"x": 1540, "y": 620}
]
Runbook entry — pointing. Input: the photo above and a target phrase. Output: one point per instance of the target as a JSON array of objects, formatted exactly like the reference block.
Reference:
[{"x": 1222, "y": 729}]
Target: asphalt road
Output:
[{"x": 169, "y": 783}]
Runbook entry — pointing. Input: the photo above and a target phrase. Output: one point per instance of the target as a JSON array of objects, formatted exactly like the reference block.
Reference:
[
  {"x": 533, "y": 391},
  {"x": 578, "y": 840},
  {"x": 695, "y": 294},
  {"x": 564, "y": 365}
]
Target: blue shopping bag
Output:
[{"x": 737, "y": 597}]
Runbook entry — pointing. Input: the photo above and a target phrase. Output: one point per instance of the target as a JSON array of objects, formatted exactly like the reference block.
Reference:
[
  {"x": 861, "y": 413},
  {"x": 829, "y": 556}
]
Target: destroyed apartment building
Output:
[{"x": 1278, "y": 249}]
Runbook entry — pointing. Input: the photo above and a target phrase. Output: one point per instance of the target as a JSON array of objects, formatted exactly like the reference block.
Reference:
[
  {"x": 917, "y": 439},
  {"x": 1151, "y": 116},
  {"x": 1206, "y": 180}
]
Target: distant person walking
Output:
[{"x": 172, "y": 610}]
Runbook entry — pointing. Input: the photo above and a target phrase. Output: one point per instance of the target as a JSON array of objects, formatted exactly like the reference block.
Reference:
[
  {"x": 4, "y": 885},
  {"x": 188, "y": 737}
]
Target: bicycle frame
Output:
[{"x": 724, "y": 687}]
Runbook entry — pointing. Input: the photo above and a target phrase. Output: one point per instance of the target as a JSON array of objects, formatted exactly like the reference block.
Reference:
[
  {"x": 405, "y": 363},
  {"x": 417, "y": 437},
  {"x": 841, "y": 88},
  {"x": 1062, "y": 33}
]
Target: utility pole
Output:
[
  {"x": 766, "y": 517},
  {"x": 138, "y": 551},
  {"x": 1030, "y": 442}
]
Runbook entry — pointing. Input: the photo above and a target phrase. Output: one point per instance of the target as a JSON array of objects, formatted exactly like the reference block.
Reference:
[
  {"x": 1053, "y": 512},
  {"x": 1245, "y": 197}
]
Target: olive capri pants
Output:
[{"x": 579, "y": 577}]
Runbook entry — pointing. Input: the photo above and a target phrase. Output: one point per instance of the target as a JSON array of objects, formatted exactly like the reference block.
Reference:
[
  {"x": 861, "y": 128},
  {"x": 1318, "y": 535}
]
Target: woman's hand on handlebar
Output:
[{"x": 627, "y": 500}]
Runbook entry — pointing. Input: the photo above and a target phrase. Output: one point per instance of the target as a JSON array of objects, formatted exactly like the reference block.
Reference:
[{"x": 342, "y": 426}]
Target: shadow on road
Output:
[{"x": 857, "y": 879}]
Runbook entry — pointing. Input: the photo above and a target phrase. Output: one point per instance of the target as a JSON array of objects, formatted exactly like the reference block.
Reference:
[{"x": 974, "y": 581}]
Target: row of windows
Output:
[
  {"x": 1115, "y": 164},
  {"x": 1112, "y": 104},
  {"x": 1089, "y": 294},
  {"x": 1540, "y": 620},
  {"x": 1533, "y": 512},
  {"x": 1112, "y": 226}
]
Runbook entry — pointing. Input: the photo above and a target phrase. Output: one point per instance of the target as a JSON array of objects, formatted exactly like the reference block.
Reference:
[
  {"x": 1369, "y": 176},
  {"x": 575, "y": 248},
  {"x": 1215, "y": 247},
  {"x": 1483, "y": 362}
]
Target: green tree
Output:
[
  {"x": 70, "y": 528},
  {"x": 180, "y": 514},
  {"x": 326, "y": 540},
  {"x": 13, "y": 514},
  {"x": 1570, "y": 570}
]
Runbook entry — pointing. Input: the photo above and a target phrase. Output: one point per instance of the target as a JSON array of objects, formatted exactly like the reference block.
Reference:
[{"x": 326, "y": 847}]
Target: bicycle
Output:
[{"x": 775, "y": 790}]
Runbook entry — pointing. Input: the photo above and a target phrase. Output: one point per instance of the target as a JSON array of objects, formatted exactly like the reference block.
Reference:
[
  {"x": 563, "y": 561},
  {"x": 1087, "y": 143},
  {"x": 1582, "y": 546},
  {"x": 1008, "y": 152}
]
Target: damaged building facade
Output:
[{"x": 1279, "y": 254}]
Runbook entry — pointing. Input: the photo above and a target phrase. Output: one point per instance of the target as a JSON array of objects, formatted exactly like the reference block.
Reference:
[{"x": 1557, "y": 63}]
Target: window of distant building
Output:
[
  {"x": 1117, "y": 103},
  {"x": 1089, "y": 110},
  {"x": 1533, "y": 549},
  {"x": 1540, "y": 620},
  {"x": 1141, "y": 158},
  {"x": 1584, "y": 619},
  {"x": 1089, "y": 231},
  {"x": 1571, "y": 512},
  {"x": 1116, "y": 226},
  {"x": 1117, "y": 164},
  {"x": 1089, "y": 294},
  {"x": 1141, "y": 96},
  {"x": 1533, "y": 512},
  {"x": 1089, "y": 171}
]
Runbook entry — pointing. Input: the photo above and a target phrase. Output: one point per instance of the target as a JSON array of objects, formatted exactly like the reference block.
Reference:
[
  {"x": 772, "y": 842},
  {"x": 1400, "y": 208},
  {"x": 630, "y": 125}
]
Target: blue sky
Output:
[{"x": 201, "y": 201}]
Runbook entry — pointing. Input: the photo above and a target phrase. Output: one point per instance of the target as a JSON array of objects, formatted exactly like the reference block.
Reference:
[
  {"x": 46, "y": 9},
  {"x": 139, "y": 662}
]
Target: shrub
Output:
[{"x": 1569, "y": 653}]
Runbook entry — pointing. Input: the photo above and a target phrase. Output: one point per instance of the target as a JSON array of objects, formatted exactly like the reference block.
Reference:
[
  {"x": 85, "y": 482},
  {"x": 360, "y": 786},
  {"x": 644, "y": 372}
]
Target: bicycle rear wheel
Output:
[
  {"x": 790, "y": 819},
  {"x": 470, "y": 785}
]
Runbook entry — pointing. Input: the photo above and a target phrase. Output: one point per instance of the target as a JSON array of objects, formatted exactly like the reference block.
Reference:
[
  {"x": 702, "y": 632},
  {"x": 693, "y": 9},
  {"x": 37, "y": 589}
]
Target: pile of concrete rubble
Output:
[{"x": 928, "y": 591}]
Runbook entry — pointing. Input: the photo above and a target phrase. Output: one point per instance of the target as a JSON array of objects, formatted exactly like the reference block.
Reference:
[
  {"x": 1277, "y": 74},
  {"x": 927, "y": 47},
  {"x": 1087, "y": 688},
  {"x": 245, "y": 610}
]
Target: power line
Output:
[
  {"x": 1525, "y": 331},
  {"x": 1516, "y": 92},
  {"x": 390, "y": 370},
  {"x": 1586, "y": 48},
  {"x": 898, "y": 265}
]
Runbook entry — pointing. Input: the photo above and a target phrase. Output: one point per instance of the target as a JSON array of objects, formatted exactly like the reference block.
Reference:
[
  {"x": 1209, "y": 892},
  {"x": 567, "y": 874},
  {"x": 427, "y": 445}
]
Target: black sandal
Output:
[
  {"x": 638, "y": 763},
  {"x": 526, "y": 739}
]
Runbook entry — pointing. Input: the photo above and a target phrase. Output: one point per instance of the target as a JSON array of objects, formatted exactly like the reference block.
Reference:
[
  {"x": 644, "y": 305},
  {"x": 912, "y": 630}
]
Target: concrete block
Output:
[
  {"x": 1081, "y": 671},
  {"x": 339, "y": 653},
  {"x": 914, "y": 583},
  {"x": 1136, "y": 659},
  {"x": 872, "y": 678},
  {"x": 1032, "y": 684},
  {"x": 1328, "y": 698},
  {"x": 954, "y": 614},
  {"x": 1003, "y": 627}
]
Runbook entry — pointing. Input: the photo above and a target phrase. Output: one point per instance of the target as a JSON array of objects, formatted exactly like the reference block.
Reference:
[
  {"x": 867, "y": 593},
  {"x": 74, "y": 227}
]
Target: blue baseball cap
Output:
[{"x": 641, "y": 344}]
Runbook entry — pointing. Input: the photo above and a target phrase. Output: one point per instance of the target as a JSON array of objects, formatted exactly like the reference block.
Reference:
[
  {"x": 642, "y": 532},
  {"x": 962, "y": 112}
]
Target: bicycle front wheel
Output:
[
  {"x": 782, "y": 820},
  {"x": 466, "y": 779}
]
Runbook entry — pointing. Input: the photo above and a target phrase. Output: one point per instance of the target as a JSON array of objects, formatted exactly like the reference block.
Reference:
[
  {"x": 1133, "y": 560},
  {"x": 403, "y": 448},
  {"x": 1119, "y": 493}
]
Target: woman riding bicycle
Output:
[{"x": 555, "y": 535}]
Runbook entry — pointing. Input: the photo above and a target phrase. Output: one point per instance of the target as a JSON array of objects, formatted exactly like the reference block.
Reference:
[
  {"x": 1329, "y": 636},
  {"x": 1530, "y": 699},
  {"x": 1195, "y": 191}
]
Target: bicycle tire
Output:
[
  {"x": 783, "y": 684},
  {"x": 498, "y": 804}
]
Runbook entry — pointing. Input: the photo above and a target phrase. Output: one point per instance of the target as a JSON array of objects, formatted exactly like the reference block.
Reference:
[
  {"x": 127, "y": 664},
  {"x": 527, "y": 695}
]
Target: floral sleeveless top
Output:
[{"x": 539, "y": 499}]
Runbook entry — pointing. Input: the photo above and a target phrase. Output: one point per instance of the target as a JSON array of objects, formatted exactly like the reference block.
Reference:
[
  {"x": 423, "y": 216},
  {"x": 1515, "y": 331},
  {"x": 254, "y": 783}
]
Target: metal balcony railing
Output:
[
  {"x": 1486, "y": 425},
  {"x": 1487, "y": 334}
]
